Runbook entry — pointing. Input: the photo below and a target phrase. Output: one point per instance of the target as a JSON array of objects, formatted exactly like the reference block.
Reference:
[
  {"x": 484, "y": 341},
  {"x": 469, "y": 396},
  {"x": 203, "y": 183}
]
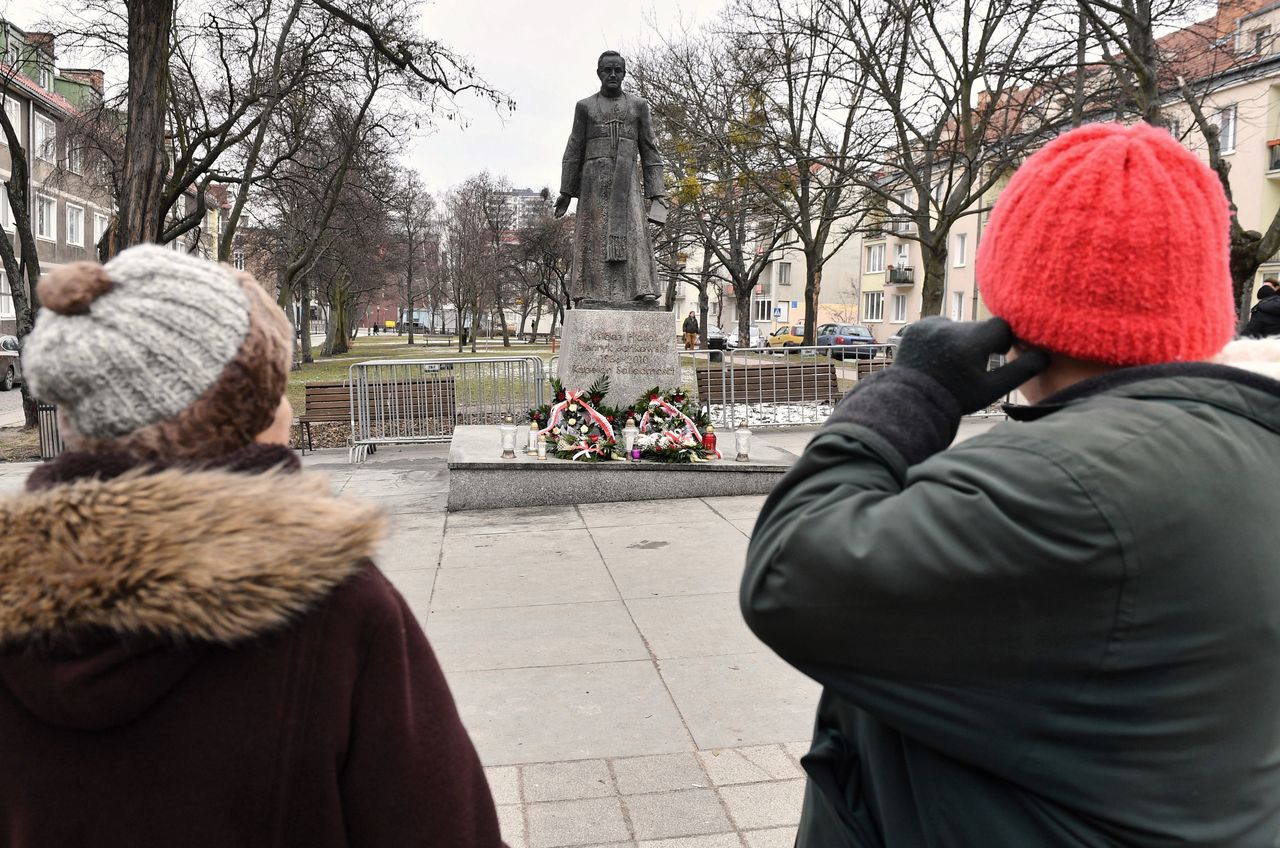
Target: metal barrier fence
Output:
[
  {"x": 778, "y": 387},
  {"x": 402, "y": 401},
  {"x": 50, "y": 439}
]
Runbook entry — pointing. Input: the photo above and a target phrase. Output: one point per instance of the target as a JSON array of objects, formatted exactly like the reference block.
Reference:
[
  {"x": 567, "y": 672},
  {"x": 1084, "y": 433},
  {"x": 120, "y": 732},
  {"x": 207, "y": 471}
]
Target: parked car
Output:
[
  {"x": 754, "y": 338},
  {"x": 716, "y": 338},
  {"x": 10, "y": 362},
  {"x": 896, "y": 338},
  {"x": 848, "y": 340},
  {"x": 791, "y": 335}
]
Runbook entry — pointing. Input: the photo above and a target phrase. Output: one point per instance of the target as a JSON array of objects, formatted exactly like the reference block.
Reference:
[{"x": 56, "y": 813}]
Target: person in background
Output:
[
  {"x": 196, "y": 648},
  {"x": 1063, "y": 631},
  {"x": 690, "y": 331},
  {"x": 1264, "y": 319}
]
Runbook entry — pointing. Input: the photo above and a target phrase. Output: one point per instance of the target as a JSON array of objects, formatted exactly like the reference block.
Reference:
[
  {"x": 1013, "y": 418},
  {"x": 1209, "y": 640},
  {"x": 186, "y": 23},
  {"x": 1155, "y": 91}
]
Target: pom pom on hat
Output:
[
  {"x": 70, "y": 289},
  {"x": 1111, "y": 244}
]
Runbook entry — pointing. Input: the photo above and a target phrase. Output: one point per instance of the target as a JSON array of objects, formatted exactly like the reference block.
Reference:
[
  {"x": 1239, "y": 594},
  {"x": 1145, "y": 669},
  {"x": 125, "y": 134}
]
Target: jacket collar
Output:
[
  {"x": 1244, "y": 378},
  {"x": 182, "y": 554}
]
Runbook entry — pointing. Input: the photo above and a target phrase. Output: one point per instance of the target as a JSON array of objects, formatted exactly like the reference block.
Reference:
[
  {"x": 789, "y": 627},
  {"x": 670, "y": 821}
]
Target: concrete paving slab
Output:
[
  {"x": 655, "y": 560},
  {"x": 416, "y": 588},
  {"x": 511, "y": 826},
  {"x": 693, "y": 625},
  {"x": 718, "y": 840},
  {"x": 689, "y": 812},
  {"x": 742, "y": 506},
  {"x": 663, "y": 773},
  {"x": 559, "y": 823},
  {"x": 633, "y": 513},
  {"x": 409, "y": 551},
  {"x": 741, "y": 699},
  {"x": 514, "y": 520},
  {"x": 531, "y": 546},
  {"x": 746, "y": 526},
  {"x": 532, "y": 715},
  {"x": 765, "y": 805},
  {"x": 567, "y": 781},
  {"x": 773, "y": 760},
  {"x": 522, "y": 637},
  {"x": 555, "y": 582},
  {"x": 774, "y": 837},
  {"x": 727, "y": 766},
  {"x": 504, "y": 784}
]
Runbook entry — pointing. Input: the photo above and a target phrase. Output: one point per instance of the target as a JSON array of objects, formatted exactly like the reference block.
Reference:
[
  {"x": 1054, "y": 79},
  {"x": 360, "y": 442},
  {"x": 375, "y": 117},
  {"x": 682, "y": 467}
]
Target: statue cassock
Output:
[{"x": 612, "y": 253}]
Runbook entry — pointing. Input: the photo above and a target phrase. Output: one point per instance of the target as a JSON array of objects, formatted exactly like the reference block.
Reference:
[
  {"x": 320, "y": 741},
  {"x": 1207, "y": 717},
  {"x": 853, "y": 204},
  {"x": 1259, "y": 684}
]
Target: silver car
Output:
[
  {"x": 10, "y": 362},
  {"x": 755, "y": 339}
]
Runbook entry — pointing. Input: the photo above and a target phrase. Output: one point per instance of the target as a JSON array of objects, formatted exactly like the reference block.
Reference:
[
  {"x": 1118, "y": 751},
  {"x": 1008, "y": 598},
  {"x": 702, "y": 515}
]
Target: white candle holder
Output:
[{"x": 742, "y": 441}]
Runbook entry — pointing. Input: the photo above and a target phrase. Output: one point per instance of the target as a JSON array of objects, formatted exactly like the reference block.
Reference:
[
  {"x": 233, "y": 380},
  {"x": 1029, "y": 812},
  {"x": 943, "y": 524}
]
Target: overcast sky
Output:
[{"x": 541, "y": 53}]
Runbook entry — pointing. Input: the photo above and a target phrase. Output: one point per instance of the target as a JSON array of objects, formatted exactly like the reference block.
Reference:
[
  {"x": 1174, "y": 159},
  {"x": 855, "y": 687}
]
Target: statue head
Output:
[{"x": 611, "y": 68}]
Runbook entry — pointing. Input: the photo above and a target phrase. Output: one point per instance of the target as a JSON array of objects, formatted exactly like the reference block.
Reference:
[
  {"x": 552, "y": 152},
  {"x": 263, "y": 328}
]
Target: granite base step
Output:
[{"x": 480, "y": 479}]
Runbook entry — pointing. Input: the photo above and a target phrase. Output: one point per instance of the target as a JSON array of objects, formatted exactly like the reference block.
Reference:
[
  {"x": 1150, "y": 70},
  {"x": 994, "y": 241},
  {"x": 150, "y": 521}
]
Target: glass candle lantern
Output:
[
  {"x": 635, "y": 454},
  {"x": 531, "y": 449},
  {"x": 508, "y": 430},
  {"x": 542, "y": 447},
  {"x": 742, "y": 441},
  {"x": 709, "y": 440},
  {"x": 629, "y": 434}
]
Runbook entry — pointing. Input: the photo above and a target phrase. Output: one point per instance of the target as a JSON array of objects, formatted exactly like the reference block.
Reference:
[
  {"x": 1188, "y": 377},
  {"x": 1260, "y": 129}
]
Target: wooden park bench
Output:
[
  {"x": 792, "y": 382},
  {"x": 430, "y": 402}
]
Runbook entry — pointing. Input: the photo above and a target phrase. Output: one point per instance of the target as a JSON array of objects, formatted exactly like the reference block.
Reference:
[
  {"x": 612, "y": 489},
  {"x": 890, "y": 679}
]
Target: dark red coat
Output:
[{"x": 209, "y": 658}]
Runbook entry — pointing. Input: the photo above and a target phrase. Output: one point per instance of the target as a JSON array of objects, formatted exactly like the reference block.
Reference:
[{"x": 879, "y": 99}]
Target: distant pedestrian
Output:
[
  {"x": 1063, "y": 631},
  {"x": 1264, "y": 319},
  {"x": 195, "y": 647},
  {"x": 690, "y": 331}
]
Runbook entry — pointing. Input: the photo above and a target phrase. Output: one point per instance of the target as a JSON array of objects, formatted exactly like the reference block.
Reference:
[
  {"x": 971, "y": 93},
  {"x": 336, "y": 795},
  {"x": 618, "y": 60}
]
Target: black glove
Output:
[
  {"x": 939, "y": 374},
  {"x": 956, "y": 353}
]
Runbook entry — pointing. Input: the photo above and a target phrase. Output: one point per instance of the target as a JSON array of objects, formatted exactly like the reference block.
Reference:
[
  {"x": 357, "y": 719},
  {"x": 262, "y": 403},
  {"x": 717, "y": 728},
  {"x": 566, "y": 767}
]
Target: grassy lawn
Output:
[
  {"x": 19, "y": 445},
  {"x": 326, "y": 369}
]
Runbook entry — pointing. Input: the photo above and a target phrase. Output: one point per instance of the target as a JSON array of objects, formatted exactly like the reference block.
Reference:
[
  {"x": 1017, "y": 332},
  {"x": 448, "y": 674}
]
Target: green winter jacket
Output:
[{"x": 1063, "y": 632}]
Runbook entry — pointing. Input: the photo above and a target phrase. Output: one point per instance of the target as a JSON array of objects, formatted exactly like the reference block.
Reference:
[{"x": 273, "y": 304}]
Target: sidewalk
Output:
[{"x": 598, "y": 657}]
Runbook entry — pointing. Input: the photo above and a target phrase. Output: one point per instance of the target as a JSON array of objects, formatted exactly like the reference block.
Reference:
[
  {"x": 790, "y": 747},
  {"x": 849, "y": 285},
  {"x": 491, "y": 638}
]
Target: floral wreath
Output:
[{"x": 577, "y": 426}]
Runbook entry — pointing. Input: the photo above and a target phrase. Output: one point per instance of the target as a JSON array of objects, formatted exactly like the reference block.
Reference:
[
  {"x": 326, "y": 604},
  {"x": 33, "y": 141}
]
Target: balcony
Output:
[
  {"x": 1273, "y": 159},
  {"x": 901, "y": 275}
]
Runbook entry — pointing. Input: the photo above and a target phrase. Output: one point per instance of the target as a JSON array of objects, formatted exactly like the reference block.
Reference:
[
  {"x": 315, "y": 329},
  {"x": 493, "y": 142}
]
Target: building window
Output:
[
  {"x": 46, "y": 218},
  {"x": 44, "y": 77},
  {"x": 873, "y": 306},
  {"x": 12, "y": 51},
  {"x": 46, "y": 139},
  {"x": 875, "y": 259},
  {"x": 784, "y": 273},
  {"x": 75, "y": 225},
  {"x": 903, "y": 258},
  {"x": 899, "y": 309},
  {"x": 764, "y": 309},
  {"x": 13, "y": 109},
  {"x": 1175, "y": 128},
  {"x": 962, "y": 248},
  {"x": 99, "y": 227},
  {"x": 6, "y": 298},
  {"x": 6, "y": 214},
  {"x": 957, "y": 306},
  {"x": 1227, "y": 129},
  {"x": 237, "y": 260},
  {"x": 75, "y": 160}
]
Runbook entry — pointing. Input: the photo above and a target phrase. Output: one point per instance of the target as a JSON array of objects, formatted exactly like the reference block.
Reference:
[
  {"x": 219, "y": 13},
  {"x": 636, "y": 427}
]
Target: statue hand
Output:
[{"x": 562, "y": 205}]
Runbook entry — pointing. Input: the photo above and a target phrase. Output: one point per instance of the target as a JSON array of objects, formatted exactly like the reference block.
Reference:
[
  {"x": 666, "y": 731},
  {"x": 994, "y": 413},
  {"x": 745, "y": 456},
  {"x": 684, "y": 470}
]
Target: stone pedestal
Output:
[{"x": 636, "y": 349}]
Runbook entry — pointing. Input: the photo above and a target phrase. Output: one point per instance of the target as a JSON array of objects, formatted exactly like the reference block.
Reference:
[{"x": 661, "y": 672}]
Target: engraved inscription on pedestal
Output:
[{"x": 637, "y": 350}]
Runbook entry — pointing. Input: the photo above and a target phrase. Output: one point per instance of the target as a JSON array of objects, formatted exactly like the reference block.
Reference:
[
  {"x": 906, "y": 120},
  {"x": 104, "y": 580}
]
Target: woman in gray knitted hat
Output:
[{"x": 195, "y": 647}]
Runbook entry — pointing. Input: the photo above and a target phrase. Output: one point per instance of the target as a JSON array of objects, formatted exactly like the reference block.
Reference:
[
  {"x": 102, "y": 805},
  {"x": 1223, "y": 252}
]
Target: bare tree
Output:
[
  {"x": 713, "y": 119},
  {"x": 956, "y": 94},
  {"x": 415, "y": 238}
]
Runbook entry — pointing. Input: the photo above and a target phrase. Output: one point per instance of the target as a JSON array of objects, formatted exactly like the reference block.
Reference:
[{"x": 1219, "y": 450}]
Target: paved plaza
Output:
[{"x": 598, "y": 657}]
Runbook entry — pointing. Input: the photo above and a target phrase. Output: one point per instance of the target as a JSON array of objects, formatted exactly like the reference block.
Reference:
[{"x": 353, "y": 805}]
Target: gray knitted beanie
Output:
[{"x": 127, "y": 345}]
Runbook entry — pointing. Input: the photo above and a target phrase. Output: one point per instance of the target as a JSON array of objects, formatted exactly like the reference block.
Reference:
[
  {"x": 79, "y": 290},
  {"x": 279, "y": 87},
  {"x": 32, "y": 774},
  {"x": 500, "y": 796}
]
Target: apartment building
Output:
[
  {"x": 876, "y": 278},
  {"x": 69, "y": 209}
]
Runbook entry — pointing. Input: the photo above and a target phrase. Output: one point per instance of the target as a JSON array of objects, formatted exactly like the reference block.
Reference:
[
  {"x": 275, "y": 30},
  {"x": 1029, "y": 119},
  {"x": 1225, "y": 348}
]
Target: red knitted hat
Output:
[{"x": 1111, "y": 244}]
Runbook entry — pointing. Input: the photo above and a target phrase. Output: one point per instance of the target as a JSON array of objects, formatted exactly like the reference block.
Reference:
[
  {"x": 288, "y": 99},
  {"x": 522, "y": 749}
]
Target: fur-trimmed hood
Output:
[
  {"x": 1261, "y": 356},
  {"x": 135, "y": 575}
]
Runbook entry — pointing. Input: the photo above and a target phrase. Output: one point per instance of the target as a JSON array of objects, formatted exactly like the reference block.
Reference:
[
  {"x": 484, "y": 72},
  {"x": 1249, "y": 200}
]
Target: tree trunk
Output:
[
  {"x": 304, "y": 320},
  {"x": 703, "y": 310},
  {"x": 139, "y": 215},
  {"x": 25, "y": 273},
  {"x": 812, "y": 291},
  {"x": 935, "y": 271},
  {"x": 743, "y": 300}
]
